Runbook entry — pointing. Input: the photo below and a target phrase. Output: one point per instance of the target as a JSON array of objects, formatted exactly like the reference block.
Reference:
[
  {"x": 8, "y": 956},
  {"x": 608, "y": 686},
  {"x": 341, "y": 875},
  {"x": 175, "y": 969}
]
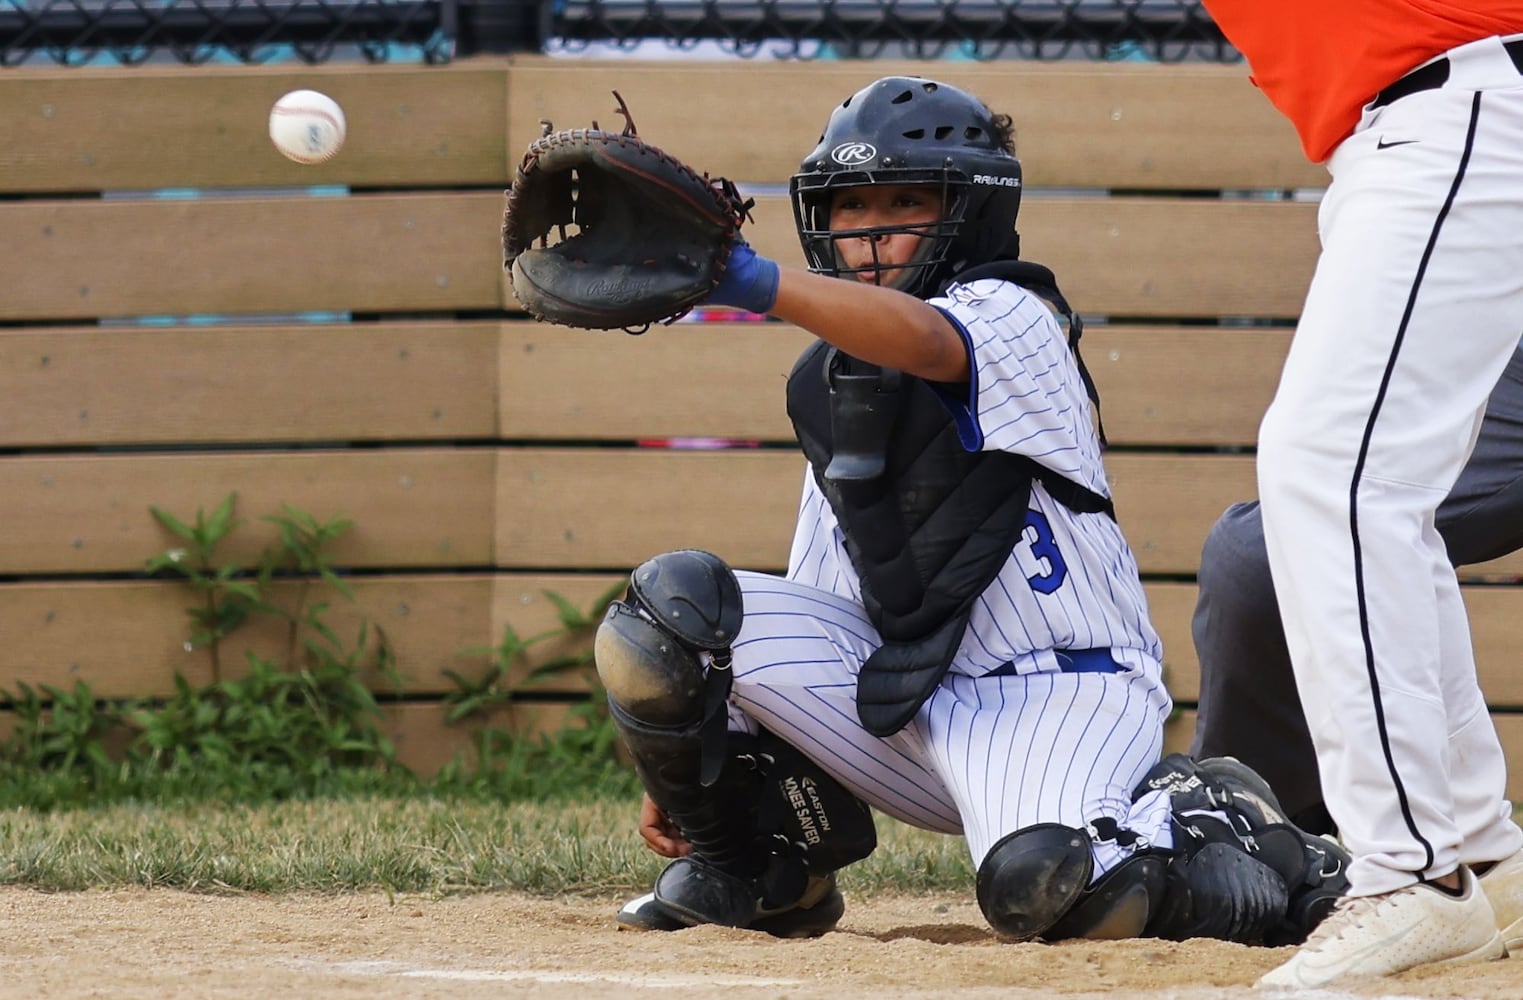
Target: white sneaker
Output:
[
  {"x": 1503, "y": 885},
  {"x": 1381, "y": 935}
]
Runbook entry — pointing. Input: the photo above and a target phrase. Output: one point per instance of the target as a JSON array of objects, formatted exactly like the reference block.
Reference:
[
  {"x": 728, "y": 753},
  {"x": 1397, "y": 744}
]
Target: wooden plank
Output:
[
  {"x": 102, "y": 129},
  {"x": 517, "y": 508},
  {"x": 130, "y": 638},
  {"x": 1179, "y": 731},
  {"x": 410, "y": 507},
  {"x": 1171, "y": 605},
  {"x": 1079, "y": 125},
  {"x": 372, "y": 253},
  {"x": 1184, "y": 386},
  {"x": 1158, "y": 385},
  {"x": 556, "y": 506},
  {"x": 379, "y": 253},
  {"x": 1144, "y": 257},
  {"x": 737, "y": 374},
  {"x": 424, "y": 740},
  {"x": 589, "y": 509},
  {"x": 526, "y": 604},
  {"x": 85, "y": 386},
  {"x": 1116, "y": 125},
  {"x": 1167, "y": 503}
]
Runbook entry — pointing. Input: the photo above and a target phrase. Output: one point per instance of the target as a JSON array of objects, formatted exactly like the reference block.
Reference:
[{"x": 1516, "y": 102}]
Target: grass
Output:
[{"x": 416, "y": 845}]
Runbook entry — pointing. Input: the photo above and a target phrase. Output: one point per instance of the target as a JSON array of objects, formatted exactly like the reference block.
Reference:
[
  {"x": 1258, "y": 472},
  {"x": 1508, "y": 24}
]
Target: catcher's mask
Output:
[{"x": 907, "y": 130}]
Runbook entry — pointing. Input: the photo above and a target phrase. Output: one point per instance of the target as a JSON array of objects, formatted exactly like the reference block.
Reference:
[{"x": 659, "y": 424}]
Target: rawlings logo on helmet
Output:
[
  {"x": 854, "y": 154},
  {"x": 1011, "y": 182}
]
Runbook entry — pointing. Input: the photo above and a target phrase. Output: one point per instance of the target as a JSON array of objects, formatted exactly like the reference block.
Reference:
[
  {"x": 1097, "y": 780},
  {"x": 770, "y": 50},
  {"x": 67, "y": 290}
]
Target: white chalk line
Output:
[
  {"x": 402, "y": 970},
  {"x": 1289, "y": 994}
]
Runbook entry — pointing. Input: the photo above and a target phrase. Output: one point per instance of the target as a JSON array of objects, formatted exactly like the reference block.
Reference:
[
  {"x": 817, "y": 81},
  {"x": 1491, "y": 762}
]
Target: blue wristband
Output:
[{"x": 749, "y": 281}]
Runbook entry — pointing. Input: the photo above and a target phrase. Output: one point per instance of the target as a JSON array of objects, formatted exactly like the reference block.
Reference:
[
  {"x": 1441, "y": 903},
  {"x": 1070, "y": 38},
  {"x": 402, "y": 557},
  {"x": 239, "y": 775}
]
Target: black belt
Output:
[{"x": 1435, "y": 74}]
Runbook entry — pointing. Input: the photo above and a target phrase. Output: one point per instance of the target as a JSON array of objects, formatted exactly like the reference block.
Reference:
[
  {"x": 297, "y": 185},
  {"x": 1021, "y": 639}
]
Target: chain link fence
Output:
[{"x": 131, "y": 32}]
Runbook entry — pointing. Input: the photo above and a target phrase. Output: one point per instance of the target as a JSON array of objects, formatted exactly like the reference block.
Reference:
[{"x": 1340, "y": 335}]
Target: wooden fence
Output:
[{"x": 486, "y": 460}]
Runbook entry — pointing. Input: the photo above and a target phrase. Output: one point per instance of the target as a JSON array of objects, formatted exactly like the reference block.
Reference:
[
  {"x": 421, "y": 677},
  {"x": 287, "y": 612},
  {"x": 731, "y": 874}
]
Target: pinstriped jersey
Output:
[{"x": 1072, "y": 581}]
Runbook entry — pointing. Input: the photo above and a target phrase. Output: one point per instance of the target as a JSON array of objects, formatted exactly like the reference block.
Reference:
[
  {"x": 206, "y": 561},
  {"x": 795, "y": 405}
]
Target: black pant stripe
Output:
[{"x": 1364, "y": 447}]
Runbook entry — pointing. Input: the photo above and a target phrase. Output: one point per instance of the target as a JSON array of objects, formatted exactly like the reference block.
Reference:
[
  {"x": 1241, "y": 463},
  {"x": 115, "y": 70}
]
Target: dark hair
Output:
[{"x": 1004, "y": 130}]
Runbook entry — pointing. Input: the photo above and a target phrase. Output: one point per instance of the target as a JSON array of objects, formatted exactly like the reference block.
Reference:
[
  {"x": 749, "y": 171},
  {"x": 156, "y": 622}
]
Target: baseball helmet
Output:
[{"x": 908, "y": 130}]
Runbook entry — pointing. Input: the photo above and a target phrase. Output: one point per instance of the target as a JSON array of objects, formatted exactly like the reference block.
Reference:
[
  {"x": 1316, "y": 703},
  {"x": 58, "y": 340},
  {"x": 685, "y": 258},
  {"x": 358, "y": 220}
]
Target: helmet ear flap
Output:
[{"x": 989, "y": 235}]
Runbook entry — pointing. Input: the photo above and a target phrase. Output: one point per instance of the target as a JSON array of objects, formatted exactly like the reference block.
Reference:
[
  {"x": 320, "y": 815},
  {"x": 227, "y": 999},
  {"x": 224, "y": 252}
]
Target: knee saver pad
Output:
[
  {"x": 647, "y": 673},
  {"x": 832, "y": 826},
  {"x": 1032, "y": 877}
]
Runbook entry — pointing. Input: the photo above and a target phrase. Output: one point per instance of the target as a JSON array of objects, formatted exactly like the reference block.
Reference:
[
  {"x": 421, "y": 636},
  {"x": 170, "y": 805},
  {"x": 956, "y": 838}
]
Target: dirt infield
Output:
[{"x": 165, "y": 945}]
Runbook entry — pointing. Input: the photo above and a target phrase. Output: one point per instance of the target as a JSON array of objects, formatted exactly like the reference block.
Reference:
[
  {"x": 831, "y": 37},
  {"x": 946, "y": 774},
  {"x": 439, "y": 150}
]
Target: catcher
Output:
[{"x": 961, "y": 639}]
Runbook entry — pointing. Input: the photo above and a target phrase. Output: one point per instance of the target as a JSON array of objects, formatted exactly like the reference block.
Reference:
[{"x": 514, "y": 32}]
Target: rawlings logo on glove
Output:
[{"x": 640, "y": 237}]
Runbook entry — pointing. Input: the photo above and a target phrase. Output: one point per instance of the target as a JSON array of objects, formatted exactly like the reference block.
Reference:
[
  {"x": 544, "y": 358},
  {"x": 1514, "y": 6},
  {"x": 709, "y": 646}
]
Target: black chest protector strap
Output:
[{"x": 1041, "y": 281}]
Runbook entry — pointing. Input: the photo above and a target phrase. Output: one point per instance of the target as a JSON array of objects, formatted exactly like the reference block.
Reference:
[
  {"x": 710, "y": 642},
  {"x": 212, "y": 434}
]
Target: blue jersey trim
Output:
[{"x": 962, "y": 400}]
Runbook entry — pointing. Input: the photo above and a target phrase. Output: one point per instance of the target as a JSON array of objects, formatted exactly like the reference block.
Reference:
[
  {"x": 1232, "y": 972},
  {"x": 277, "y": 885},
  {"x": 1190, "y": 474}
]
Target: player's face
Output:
[{"x": 881, "y": 257}]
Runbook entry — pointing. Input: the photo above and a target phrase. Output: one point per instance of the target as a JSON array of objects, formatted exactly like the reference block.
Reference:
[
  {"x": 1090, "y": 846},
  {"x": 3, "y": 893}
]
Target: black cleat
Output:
[
  {"x": 1247, "y": 786},
  {"x": 817, "y": 912}
]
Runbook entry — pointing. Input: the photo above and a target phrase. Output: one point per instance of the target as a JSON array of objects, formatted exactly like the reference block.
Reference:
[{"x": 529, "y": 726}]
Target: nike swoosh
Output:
[
  {"x": 1325, "y": 972},
  {"x": 1382, "y": 144}
]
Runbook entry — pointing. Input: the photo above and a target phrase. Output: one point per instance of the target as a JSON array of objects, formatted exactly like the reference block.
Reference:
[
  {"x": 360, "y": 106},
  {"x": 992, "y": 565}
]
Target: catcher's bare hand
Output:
[{"x": 659, "y": 833}]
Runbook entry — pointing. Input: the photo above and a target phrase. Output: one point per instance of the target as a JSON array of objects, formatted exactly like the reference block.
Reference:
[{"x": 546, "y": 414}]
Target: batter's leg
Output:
[
  {"x": 1249, "y": 707},
  {"x": 1368, "y": 432}
]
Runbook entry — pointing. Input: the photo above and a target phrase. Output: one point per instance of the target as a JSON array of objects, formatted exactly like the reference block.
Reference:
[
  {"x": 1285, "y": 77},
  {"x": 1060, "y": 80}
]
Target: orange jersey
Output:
[{"x": 1321, "y": 61}]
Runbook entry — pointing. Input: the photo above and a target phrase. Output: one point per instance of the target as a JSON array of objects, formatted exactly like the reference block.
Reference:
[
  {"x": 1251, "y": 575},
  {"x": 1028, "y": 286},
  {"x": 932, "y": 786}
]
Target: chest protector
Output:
[{"x": 928, "y": 524}]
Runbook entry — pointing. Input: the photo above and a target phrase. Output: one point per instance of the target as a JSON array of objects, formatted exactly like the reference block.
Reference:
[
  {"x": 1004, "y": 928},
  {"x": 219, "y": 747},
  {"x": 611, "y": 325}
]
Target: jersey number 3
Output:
[{"x": 1045, "y": 559}]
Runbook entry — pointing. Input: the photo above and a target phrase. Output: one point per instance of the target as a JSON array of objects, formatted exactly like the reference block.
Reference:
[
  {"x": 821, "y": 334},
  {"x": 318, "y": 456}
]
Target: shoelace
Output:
[{"x": 1347, "y": 914}]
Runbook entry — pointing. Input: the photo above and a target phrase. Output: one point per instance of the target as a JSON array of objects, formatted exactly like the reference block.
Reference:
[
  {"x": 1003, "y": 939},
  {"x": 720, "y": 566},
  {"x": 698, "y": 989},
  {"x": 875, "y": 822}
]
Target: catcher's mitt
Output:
[{"x": 652, "y": 235}]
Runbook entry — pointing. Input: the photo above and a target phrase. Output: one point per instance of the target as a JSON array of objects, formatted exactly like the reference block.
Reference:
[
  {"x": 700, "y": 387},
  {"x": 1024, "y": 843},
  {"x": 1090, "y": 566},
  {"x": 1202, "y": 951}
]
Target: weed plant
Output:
[{"x": 302, "y": 724}]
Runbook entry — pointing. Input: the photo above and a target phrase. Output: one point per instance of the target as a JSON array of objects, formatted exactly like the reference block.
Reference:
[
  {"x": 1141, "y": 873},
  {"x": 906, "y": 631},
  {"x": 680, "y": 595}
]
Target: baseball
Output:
[{"x": 307, "y": 127}]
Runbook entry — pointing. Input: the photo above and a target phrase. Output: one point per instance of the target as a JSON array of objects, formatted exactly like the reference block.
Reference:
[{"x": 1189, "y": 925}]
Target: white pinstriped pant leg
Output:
[
  {"x": 796, "y": 663},
  {"x": 984, "y": 757},
  {"x": 1048, "y": 748}
]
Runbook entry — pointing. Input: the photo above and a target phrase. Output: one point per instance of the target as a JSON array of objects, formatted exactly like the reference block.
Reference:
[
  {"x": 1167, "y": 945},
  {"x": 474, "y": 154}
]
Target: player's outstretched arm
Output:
[{"x": 879, "y": 325}]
